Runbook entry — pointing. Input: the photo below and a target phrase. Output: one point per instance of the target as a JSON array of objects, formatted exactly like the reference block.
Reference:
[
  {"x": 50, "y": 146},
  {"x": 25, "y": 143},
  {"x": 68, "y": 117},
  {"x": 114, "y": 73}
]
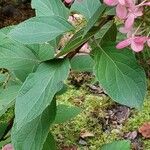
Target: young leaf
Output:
[
  {"x": 77, "y": 40},
  {"x": 39, "y": 89},
  {"x": 120, "y": 75},
  {"x": 109, "y": 34},
  {"x": 50, "y": 143},
  {"x": 65, "y": 113},
  {"x": 117, "y": 145},
  {"x": 94, "y": 18},
  {"x": 86, "y": 7},
  {"x": 7, "y": 97},
  {"x": 32, "y": 135},
  {"x": 82, "y": 63},
  {"x": 40, "y": 29},
  {"x": 50, "y": 8}
]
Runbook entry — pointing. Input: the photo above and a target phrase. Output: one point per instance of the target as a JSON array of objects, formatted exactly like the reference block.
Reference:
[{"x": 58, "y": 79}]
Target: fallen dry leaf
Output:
[
  {"x": 145, "y": 130},
  {"x": 131, "y": 135},
  {"x": 87, "y": 134}
]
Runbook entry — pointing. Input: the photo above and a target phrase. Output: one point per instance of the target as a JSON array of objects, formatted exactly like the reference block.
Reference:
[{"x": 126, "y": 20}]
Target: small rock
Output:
[
  {"x": 87, "y": 134},
  {"x": 82, "y": 142},
  {"x": 131, "y": 135}
]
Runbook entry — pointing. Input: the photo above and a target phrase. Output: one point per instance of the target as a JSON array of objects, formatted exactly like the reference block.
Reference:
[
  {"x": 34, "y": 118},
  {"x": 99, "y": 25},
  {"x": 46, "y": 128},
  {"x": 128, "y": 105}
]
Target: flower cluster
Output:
[{"x": 128, "y": 11}]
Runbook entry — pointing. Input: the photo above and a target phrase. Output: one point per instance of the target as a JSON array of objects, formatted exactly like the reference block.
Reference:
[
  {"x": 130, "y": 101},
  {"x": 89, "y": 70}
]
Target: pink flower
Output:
[
  {"x": 68, "y": 1},
  {"x": 148, "y": 42},
  {"x": 136, "y": 42},
  {"x": 8, "y": 147},
  {"x": 133, "y": 13}
]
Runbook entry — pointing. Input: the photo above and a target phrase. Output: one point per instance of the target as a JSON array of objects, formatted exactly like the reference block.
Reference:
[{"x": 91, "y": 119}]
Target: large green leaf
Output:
[
  {"x": 39, "y": 89},
  {"x": 16, "y": 57},
  {"x": 40, "y": 29},
  {"x": 50, "y": 143},
  {"x": 50, "y": 8},
  {"x": 77, "y": 41},
  {"x": 32, "y": 135},
  {"x": 86, "y": 7},
  {"x": 82, "y": 63},
  {"x": 94, "y": 18},
  {"x": 3, "y": 35},
  {"x": 7, "y": 97},
  {"x": 42, "y": 51},
  {"x": 120, "y": 75},
  {"x": 117, "y": 145},
  {"x": 107, "y": 33},
  {"x": 65, "y": 113}
]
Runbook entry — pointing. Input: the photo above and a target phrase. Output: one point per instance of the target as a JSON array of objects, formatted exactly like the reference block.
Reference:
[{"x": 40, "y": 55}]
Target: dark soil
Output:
[{"x": 12, "y": 13}]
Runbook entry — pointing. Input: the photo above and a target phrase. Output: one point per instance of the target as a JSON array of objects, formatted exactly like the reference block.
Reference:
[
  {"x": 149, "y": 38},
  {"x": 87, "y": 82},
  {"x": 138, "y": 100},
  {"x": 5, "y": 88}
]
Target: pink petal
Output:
[
  {"x": 122, "y": 2},
  {"x": 8, "y": 147},
  {"x": 136, "y": 46},
  {"x": 111, "y": 2},
  {"x": 140, "y": 39},
  {"x": 121, "y": 11},
  {"x": 68, "y": 1},
  {"x": 148, "y": 3},
  {"x": 148, "y": 42},
  {"x": 124, "y": 30},
  {"x": 123, "y": 44},
  {"x": 130, "y": 21},
  {"x": 138, "y": 12}
]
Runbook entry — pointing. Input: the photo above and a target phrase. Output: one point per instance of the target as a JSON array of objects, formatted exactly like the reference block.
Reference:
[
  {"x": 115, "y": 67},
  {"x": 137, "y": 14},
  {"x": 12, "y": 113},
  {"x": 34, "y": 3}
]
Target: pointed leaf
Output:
[
  {"x": 82, "y": 63},
  {"x": 86, "y": 7},
  {"x": 7, "y": 97},
  {"x": 77, "y": 40},
  {"x": 65, "y": 113},
  {"x": 39, "y": 89},
  {"x": 32, "y": 135},
  {"x": 50, "y": 8},
  {"x": 118, "y": 145},
  {"x": 50, "y": 143},
  {"x": 120, "y": 75},
  {"x": 16, "y": 57},
  {"x": 40, "y": 29},
  {"x": 94, "y": 18}
]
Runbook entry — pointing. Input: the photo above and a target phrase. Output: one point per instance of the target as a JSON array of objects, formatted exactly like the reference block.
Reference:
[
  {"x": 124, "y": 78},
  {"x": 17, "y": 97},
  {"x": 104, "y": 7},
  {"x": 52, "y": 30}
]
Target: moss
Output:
[
  {"x": 88, "y": 121},
  {"x": 138, "y": 118}
]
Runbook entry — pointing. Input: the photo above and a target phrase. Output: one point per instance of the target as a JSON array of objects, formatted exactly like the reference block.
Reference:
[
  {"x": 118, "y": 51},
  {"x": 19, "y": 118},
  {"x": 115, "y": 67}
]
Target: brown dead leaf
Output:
[
  {"x": 86, "y": 134},
  {"x": 145, "y": 130}
]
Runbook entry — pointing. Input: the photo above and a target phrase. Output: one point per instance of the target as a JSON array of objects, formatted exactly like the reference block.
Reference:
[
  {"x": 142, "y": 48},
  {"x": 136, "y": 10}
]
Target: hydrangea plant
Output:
[{"x": 37, "y": 55}]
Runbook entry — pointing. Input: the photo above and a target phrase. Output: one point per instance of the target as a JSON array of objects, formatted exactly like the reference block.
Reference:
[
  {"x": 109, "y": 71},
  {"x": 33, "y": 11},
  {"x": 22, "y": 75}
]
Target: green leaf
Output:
[
  {"x": 50, "y": 8},
  {"x": 77, "y": 41},
  {"x": 120, "y": 75},
  {"x": 65, "y": 113},
  {"x": 32, "y": 135},
  {"x": 16, "y": 57},
  {"x": 82, "y": 63},
  {"x": 94, "y": 18},
  {"x": 39, "y": 89},
  {"x": 3, "y": 77},
  {"x": 50, "y": 143},
  {"x": 7, "y": 97},
  {"x": 3, "y": 35},
  {"x": 117, "y": 145},
  {"x": 86, "y": 7},
  {"x": 3, "y": 127},
  {"x": 40, "y": 29},
  {"x": 109, "y": 33},
  {"x": 42, "y": 51}
]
